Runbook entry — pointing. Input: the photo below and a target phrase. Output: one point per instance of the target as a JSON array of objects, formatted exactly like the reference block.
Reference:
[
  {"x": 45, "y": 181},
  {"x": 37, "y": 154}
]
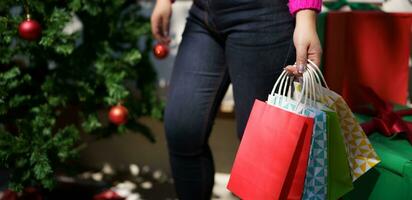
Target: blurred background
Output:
[{"x": 130, "y": 160}]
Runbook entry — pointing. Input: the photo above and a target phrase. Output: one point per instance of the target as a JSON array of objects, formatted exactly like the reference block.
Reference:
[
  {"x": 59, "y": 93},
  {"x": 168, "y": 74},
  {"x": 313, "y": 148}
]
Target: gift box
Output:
[
  {"x": 392, "y": 178},
  {"x": 367, "y": 48}
]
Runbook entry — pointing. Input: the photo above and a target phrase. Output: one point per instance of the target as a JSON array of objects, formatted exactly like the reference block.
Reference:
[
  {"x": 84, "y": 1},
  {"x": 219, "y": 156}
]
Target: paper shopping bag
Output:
[
  {"x": 328, "y": 176},
  {"x": 269, "y": 153},
  {"x": 339, "y": 173},
  {"x": 302, "y": 106},
  {"x": 339, "y": 180},
  {"x": 361, "y": 155},
  {"x": 315, "y": 183}
]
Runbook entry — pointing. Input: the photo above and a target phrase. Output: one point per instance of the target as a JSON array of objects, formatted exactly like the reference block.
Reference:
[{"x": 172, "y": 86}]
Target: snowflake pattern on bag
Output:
[{"x": 316, "y": 173}]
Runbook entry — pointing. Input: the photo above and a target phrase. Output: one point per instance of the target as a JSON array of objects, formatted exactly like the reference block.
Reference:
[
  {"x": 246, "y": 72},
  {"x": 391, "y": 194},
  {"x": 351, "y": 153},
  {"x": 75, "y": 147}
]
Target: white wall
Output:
[{"x": 398, "y": 6}]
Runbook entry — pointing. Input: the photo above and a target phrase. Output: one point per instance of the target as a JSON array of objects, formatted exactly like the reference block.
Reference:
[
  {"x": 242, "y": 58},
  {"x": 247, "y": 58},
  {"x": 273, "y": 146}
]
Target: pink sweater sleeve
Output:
[{"x": 296, "y": 5}]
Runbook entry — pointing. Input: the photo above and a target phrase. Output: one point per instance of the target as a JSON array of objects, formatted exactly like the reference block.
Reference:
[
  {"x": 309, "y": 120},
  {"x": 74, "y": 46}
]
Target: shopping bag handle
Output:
[
  {"x": 280, "y": 79},
  {"x": 306, "y": 95},
  {"x": 317, "y": 73},
  {"x": 310, "y": 90},
  {"x": 281, "y": 87},
  {"x": 284, "y": 86},
  {"x": 316, "y": 87}
]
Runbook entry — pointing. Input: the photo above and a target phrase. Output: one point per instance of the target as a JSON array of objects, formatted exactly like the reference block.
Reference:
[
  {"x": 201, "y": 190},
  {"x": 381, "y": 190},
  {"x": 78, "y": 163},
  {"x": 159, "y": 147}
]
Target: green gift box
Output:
[{"x": 392, "y": 178}]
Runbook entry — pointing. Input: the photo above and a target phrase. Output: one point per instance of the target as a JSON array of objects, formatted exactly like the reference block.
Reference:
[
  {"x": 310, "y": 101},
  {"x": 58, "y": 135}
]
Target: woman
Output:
[{"x": 245, "y": 42}]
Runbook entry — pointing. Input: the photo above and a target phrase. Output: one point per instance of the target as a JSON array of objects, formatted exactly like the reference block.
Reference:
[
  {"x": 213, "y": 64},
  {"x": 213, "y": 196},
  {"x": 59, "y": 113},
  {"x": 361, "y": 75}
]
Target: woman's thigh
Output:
[
  {"x": 257, "y": 49},
  {"x": 199, "y": 81}
]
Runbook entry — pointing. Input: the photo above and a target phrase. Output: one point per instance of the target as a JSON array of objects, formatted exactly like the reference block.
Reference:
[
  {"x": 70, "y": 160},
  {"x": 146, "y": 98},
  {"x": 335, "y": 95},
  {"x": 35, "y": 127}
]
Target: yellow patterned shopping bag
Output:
[{"x": 361, "y": 155}]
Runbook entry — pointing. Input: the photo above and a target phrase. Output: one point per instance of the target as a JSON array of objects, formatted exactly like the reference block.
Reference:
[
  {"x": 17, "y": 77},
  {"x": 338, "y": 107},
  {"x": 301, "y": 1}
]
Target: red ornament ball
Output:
[
  {"x": 108, "y": 195},
  {"x": 118, "y": 115},
  {"x": 160, "y": 51},
  {"x": 30, "y": 29}
]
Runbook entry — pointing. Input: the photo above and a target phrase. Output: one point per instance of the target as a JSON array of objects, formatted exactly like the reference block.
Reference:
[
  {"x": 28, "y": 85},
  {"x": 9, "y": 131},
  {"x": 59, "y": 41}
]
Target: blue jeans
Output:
[{"x": 243, "y": 42}]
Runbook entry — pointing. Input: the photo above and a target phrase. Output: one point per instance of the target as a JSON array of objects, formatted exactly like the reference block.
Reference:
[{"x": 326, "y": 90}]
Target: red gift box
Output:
[{"x": 368, "y": 49}]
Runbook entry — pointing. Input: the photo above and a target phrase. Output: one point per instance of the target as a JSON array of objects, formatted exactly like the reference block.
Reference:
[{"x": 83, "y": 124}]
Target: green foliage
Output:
[
  {"x": 353, "y": 6},
  {"x": 53, "y": 89}
]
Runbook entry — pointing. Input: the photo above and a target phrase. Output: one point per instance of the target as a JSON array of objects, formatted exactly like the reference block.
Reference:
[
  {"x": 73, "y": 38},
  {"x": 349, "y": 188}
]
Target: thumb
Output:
[{"x": 301, "y": 57}]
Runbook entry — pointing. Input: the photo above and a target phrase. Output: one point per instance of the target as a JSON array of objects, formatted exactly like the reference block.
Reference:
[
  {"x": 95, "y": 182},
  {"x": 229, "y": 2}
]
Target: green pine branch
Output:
[{"x": 54, "y": 88}]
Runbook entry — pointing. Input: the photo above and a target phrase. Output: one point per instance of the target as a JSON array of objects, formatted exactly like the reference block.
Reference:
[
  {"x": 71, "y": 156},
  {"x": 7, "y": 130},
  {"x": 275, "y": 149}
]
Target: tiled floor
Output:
[
  {"x": 132, "y": 148},
  {"x": 144, "y": 189},
  {"x": 125, "y": 150}
]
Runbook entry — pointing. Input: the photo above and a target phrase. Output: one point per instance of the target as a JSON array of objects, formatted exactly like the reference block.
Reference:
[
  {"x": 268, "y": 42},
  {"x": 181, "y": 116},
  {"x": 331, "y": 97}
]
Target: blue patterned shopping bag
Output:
[
  {"x": 316, "y": 174},
  {"x": 315, "y": 187}
]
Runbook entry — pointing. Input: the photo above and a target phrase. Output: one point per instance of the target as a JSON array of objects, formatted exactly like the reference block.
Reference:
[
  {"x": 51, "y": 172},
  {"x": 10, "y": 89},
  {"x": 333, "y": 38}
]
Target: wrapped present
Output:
[
  {"x": 385, "y": 119},
  {"x": 368, "y": 48},
  {"x": 336, "y": 6},
  {"x": 390, "y": 129},
  {"x": 392, "y": 178}
]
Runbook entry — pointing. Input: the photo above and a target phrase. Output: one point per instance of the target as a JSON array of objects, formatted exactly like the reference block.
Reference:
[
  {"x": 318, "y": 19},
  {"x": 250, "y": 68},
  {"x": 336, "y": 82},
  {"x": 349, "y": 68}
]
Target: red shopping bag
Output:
[{"x": 272, "y": 158}]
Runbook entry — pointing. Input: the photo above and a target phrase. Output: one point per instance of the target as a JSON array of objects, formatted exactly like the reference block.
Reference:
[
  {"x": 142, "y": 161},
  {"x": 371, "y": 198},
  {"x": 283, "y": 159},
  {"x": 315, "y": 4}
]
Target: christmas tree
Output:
[{"x": 62, "y": 62}]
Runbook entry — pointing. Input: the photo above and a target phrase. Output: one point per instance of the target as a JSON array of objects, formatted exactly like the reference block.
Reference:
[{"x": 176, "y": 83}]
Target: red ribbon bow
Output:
[{"x": 386, "y": 120}]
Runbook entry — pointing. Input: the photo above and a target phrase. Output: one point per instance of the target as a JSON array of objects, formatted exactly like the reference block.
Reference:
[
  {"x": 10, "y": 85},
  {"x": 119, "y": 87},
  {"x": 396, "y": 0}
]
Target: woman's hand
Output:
[
  {"x": 306, "y": 42},
  {"x": 160, "y": 20}
]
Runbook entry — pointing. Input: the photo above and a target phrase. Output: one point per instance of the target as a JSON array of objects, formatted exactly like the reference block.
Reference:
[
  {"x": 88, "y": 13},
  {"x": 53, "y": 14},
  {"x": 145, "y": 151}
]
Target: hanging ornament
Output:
[
  {"x": 160, "y": 50},
  {"x": 108, "y": 195},
  {"x": 9, "y": 195},
  {"x": 30, "y": 29},
  {"x": 118, "y": 115}
]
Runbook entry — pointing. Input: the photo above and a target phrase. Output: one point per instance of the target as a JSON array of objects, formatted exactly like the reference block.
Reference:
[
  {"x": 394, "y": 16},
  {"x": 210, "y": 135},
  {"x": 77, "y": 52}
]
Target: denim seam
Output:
[
  {"x": 210, "y": 22},
  {"x": 206, "y": 16}
]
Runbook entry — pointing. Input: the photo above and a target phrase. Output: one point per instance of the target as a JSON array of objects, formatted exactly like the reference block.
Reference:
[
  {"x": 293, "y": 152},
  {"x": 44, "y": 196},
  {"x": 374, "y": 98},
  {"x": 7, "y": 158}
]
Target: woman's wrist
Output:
[
  {"x": 168, "y": 1},
  {"x": 306, "y": 18}
]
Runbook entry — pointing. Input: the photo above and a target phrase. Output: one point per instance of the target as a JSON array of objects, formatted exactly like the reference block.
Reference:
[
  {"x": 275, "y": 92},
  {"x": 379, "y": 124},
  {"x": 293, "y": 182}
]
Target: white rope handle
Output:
[
  {"x": 316, "y": 68},
  {"x": 281, "y": 77},
  {"x": 310, "y": 87},
  {"x": 285, "y": 91},
  {"x": 316, "y": 85},
  {"x": 282, "y": 88},
  {"x": 315, "y": 93},
  {"x": 315, "y": 74},
  {"x": 290, "y": 88},
  {"x": 311, "y": 90},
  {"x": 283, "y": 85},
  {"x": 305, "y": 92}
]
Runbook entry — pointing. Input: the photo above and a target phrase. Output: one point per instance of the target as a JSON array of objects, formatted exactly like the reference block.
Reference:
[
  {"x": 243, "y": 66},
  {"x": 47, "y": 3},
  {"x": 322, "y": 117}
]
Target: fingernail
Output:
[{"x": 301, "y": 68}]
